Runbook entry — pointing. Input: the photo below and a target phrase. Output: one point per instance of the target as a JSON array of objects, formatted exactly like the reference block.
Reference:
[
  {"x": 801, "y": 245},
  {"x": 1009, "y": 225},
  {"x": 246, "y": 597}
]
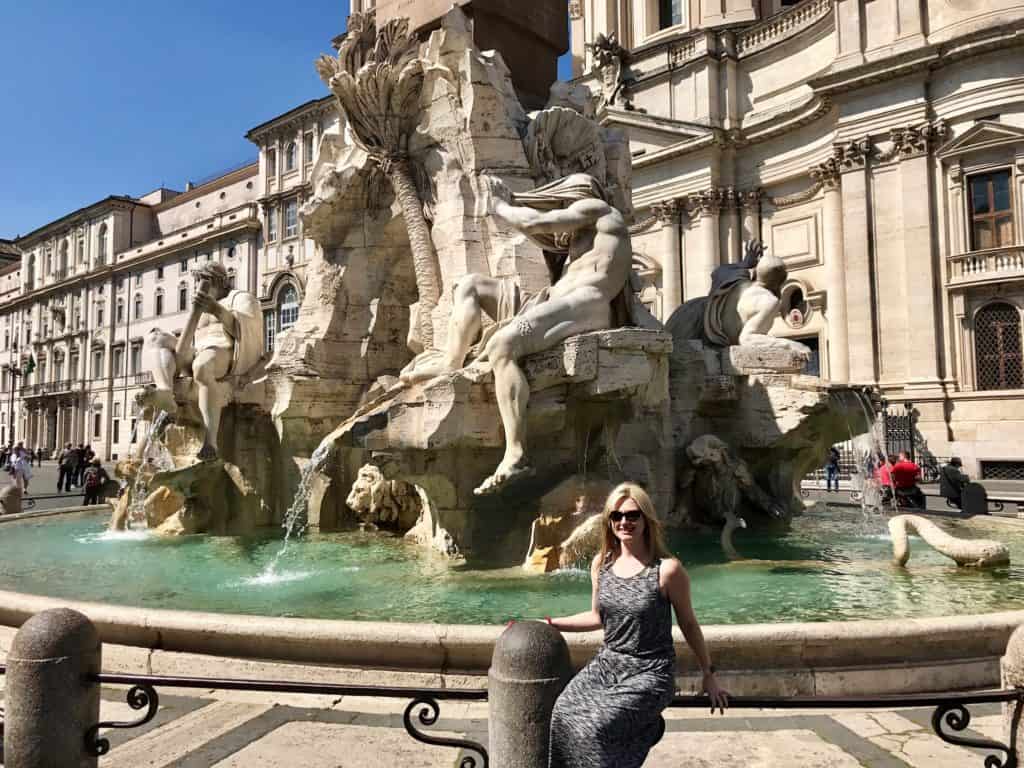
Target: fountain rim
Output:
[{"x": 924, "y": 644}]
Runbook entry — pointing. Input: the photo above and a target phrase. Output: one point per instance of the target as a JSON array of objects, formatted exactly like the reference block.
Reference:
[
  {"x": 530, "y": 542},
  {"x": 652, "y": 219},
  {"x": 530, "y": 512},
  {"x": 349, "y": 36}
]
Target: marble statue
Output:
[
  {"x": 378, "y": 501},
  {"x": 723, "y": 482},
  {"x": 571, "y": 220},
  {"x": 222, "y": 340},
  {"x": 976, "y": 553},
  {"x": 743, "y": 303},
  {"x": 612, "y": 61}
]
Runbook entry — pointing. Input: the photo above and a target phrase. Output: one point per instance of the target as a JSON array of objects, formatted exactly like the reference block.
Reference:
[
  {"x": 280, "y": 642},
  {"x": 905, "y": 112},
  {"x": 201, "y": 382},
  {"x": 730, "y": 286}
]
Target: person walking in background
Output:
[
  {"x": 884, "y": 477},
  {"x": 610, "y": 713},
  {"x": 832, "y": 469},
  {"x": 39, "y": 456},
  {"x": 952, "y": 481},
  {"x": 81, "y": 464},
  {"x": 93, "y": 479},
  {"x": 21, "y": 468},
  {"x": 67, "y": 466}
]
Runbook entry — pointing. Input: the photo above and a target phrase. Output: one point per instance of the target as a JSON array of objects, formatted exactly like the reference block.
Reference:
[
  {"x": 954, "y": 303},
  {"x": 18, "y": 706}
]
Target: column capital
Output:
[
  {"x": 707, "y": 203},
  {"x": 827, "y": 174},
  {"x": 914, "y": 141},
  {"x": 852, "y": 155},
  {"x": 751, "y": 199},
  {"x": 668, "y": 211}
]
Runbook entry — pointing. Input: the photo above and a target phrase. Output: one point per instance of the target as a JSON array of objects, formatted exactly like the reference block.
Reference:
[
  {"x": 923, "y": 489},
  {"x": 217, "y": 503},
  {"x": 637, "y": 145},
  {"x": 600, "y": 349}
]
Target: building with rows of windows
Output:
[
  {"x": 875, "y": 145},
  {"x": 78, "y": 294}
]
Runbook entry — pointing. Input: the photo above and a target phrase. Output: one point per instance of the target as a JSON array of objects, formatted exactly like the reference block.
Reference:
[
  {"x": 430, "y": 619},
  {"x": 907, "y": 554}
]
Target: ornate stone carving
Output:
[
  {"x": 707, "y": 203},
  {"x": 575, "y": 10},
  {"x": 750, "y": 200},
  {"x": 611, "y": 61},
  {"x": 827, "y": 174},
  {"x": 668, "y": 211},
  {"x": 853, "y": 155},
  {"x": 915, "y": 141},
  {"x": 560, "y": 141},
  {"x": 678, "y": 55},
  {"x": 378, "y": 501}
]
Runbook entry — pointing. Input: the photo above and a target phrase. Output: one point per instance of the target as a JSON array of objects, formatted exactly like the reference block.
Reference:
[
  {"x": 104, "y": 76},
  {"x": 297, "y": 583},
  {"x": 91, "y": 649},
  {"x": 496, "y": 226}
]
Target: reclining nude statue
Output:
[
  {"x": 743, "y": 303},
  {"x": 222, "y": 338},
  {"x": 588, "y": 241}
]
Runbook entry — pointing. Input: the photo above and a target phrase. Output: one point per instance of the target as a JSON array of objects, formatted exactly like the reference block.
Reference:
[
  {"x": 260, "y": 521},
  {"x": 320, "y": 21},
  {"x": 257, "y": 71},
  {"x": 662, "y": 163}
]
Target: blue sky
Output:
[{"x": 105, "y": 97}]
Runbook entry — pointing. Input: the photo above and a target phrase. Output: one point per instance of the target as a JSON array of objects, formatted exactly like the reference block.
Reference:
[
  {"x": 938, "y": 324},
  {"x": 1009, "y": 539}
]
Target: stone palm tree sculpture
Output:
[{"x": 377, "y": 79}]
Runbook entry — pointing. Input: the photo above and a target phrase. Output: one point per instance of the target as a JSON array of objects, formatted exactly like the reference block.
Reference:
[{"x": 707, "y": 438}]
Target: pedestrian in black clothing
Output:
[
  {"x": 952, "y": 481},
  {"x": 94, "y": 478},
  {"x": 832, "y": 469}
]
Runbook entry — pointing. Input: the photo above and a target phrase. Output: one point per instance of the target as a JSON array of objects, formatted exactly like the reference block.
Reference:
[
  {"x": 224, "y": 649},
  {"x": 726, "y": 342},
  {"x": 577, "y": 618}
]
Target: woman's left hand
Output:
[{"x": 719, "y": 698}]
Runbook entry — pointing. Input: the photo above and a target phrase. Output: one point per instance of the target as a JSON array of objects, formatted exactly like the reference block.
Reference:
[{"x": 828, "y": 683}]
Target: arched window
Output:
[
  {"x": 997, "y": 344},
  {"x": 101, "y": 245},
  {"x": 182, "y": 297},
  {"x": 289, "y": 156},
  {"x": 137, "y": 308},
  {"x": 287, "y": 308}
]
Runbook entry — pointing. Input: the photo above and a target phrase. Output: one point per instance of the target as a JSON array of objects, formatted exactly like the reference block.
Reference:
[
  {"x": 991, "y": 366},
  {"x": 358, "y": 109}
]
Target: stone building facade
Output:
[
  {"x": 83, "y": 290},
  {"x": 877, "y": 146}
]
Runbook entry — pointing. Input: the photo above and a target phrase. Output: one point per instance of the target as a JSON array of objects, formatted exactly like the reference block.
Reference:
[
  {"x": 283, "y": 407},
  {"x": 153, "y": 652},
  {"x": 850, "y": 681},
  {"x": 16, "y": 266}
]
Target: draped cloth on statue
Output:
[
  {"x": 247, "y": 344},
  {"x": 703, "y": 318}
]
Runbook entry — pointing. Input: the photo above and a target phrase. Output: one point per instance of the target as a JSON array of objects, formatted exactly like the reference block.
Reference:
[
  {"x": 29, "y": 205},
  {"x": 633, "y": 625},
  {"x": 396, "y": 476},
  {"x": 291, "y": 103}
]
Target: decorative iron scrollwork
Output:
[
  {"x": 957, "y": 717},
  {"x": 140, "y": 696},
  {"x": 427, "y": 715}
]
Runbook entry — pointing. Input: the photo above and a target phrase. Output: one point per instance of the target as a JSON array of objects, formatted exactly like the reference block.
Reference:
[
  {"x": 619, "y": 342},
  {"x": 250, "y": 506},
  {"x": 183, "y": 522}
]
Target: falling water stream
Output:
[{"x": 154, "y": 458}]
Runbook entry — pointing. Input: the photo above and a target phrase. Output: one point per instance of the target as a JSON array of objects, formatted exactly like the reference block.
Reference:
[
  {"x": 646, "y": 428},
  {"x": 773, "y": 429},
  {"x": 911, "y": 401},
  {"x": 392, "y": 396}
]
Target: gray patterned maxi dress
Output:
[{"x": 609, "y": 715}]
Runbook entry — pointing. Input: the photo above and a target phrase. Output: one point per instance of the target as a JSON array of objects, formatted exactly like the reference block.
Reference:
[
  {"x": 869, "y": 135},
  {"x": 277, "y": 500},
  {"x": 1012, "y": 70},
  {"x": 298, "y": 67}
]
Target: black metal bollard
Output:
[
  {"x": 529, "y": 668},
  {"x": 49, "y": 701}
]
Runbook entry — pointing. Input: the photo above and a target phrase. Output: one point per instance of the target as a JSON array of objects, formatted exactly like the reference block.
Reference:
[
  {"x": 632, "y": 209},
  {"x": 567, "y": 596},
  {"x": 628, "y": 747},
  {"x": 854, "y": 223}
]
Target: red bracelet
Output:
[{"x": 548, "y": 620}]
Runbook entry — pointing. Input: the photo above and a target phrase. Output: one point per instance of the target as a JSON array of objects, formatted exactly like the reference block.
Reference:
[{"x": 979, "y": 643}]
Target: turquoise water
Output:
[{"x": 832, "y": 565}]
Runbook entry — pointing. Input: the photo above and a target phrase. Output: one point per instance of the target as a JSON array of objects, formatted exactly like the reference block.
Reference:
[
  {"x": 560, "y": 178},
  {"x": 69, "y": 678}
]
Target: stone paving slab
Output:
[{"x": 198, "y": 729}]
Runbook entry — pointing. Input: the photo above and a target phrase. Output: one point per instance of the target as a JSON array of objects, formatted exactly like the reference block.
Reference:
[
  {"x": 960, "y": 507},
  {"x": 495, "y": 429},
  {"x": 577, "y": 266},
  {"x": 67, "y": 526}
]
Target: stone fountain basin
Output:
[{"x": 821, "y": 658}]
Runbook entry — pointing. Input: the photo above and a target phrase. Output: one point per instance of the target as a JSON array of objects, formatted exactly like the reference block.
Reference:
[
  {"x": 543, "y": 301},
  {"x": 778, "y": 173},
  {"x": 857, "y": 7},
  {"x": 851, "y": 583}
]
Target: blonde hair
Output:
[{"x": 654, "y": 536}]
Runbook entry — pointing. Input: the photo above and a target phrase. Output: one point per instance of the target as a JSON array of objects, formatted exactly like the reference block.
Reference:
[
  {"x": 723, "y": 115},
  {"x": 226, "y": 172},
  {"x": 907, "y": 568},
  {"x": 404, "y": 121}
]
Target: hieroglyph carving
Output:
[{"x": 377, "y": 79}]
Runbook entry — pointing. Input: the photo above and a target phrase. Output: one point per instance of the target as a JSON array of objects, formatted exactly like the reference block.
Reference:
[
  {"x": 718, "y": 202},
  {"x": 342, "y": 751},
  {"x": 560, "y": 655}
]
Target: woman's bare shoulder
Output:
[{"x": 671, "y": 568}]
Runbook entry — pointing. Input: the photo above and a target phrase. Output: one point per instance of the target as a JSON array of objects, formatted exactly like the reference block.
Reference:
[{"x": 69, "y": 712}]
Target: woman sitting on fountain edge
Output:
[{"x": 610, "y": 713}]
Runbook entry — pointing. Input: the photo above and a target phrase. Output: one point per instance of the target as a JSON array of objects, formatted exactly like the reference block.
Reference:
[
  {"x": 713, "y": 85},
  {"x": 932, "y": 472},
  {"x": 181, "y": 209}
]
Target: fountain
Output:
[{"x": 453, "y": 402}]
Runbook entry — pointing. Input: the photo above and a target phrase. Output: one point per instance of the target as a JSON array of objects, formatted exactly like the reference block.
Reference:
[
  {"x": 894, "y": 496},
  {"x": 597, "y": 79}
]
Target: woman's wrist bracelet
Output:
[{"x": 548, "y": 620}]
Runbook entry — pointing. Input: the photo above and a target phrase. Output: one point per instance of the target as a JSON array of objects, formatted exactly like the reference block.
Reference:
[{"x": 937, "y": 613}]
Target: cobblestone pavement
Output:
[{"x": 257, "y": 731}]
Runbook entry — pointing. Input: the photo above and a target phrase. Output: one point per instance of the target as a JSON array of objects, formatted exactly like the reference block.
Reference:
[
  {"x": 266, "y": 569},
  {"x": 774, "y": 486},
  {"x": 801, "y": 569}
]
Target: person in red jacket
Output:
[{"x": 905, "y": 475}]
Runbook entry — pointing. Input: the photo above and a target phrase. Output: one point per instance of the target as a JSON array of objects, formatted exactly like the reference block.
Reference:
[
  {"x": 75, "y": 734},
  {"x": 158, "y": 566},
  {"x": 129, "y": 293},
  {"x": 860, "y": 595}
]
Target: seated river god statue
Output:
[
  {"x": 222, "y": 340},
  {"x": 572, "y": 221}
]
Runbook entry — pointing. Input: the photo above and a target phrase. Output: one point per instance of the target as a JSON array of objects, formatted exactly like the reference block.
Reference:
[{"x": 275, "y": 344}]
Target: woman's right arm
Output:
[{"x": 587, "y": 621}]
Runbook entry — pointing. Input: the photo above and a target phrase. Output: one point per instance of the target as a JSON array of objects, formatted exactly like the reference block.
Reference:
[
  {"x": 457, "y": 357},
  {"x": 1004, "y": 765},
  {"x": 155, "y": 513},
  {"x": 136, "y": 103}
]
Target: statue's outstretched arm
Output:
[
  {"x": 579, "y": 215},
  {"x": 755, "y": 250}
]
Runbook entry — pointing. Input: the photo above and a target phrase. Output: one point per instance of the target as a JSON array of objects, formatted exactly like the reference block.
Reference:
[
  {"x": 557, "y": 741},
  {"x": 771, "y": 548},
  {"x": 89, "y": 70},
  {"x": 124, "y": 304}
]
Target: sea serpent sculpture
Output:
[{"x": 971, "y": 553}]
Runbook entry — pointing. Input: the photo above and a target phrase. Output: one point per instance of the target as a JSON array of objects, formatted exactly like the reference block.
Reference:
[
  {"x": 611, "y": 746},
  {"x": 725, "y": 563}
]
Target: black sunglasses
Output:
[{"x": 632, "y": 516}]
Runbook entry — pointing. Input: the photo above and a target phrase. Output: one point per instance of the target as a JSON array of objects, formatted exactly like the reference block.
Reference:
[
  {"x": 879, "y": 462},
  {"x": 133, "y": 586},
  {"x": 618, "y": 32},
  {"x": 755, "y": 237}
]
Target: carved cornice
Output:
[
  {"x": 782, "y": 26},
  {"x": 710, "y": 202},
  {"x": 644, "y": 224}
]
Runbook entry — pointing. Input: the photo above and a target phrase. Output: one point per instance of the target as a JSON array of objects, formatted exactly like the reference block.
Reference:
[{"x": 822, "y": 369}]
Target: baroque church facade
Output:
[{"x": 877, "y": 146}]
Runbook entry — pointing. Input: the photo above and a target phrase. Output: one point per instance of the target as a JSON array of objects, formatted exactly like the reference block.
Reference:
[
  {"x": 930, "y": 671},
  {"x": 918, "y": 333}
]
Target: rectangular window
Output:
[
  {"x": 182, "y": 298},
  {"x": 671, "y": 13},
  {"x": 118, "y": 361},
  {"x": 138, "y": 278},
  {"x": 991, "y": 210},
  {"x": 116, "y": 433},
  {"x": 271, "y": 163},
  {"x": 183, "y": 267},
  {"x": 136, "y": 358},
  {"x": 97, "y": 364},
  {"x": 269, "y": 325},
  {"x": 97, "y": 423},
  {"x": 133, "y": 430},
  {"x": 291, "y": 218},
  {"x": 159, "y": 273},
  {"x": 73, "y": 367},
  {"x": 272, "y": 224},
  {"x": 307, "y": 148},
  {"x": 81, "y": 250},
  {"x": 119, "y": 312},
  {"x": 159, "y": 304},
  {"x": 99, "y": 315}
]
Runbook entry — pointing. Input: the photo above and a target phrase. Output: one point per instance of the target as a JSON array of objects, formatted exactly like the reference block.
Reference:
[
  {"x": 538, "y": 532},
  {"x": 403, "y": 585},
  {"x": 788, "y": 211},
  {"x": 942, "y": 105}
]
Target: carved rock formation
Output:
[{"x": 972, "y": 553}]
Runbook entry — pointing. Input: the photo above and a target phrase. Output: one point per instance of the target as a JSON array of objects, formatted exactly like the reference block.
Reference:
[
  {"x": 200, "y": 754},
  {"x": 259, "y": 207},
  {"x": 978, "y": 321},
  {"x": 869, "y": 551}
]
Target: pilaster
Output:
[
  {"x": 828, "y": 175},
  {"x": 705, "y": 208},
  {"x": 668, "y": 213}
]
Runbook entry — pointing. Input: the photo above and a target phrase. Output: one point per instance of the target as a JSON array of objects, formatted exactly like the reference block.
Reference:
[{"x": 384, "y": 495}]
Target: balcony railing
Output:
[
  {"x": 48, "y": 388},
  {"x": 987, "y": 266}
]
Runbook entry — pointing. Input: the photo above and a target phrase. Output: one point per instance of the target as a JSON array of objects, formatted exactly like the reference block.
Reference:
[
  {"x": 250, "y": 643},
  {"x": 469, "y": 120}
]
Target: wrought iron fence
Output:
[{"x": 950, "y": 719}]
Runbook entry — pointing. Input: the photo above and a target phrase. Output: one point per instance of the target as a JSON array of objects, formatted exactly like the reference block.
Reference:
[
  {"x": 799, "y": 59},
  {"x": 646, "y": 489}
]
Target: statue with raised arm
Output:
[
  {"x": 586, "y": 242},
  {"x": 222, "y": 340},
  {"x": 741, "y": 307}
]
